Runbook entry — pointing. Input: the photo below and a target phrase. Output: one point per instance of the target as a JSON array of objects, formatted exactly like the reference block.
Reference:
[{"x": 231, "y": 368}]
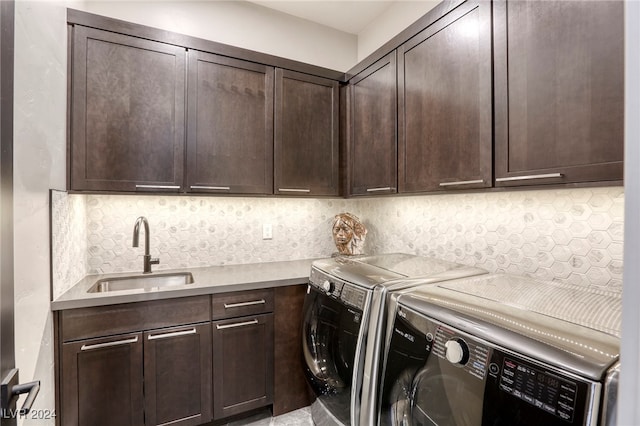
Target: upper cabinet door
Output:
[
  {"x": 373, "y": 148},
  {"x": 306, "y": 135},
  {"x": 230, "y": 125},
  {"x": 127, "y": 113},
  {"x": 559, "y": 98},
  {"x": 444, "y": 103}
]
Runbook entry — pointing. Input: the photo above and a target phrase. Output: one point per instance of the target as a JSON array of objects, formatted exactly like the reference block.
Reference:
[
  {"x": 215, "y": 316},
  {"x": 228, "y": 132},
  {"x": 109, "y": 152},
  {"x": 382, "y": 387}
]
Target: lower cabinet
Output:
[
  {"x": 102, "y": 382},
  {"x": 177, "y": 368},
  {"x": 179, "y": 362},
  {"x": 242, "y": 364}
]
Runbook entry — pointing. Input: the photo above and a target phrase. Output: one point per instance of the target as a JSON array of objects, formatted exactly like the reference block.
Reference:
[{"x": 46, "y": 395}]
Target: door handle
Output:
[
  {"x": 9, "y": 390},
  {"x": 530, "y": 177},
  {"x": 213, "y": 188},
  {"x": 293, "y": 190},
  {"x": 462, "y": 182},
  {"x": 172, "y": 334},
  {"x": 109, "y": 344},
  {"x": 236, "y": 324},
  {"x": 241, "y": 304},
  {"x": 157, "y": 187}
]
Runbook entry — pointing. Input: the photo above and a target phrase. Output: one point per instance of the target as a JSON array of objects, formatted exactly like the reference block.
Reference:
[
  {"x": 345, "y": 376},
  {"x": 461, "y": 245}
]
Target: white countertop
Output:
[{"x": 207, "y": 280}]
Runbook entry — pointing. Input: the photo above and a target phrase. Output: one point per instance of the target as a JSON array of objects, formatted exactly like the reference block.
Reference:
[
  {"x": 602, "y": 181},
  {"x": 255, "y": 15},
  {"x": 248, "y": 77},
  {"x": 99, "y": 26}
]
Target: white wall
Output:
[
  {"x": 241, "y": 24},
  {"x": 396, "y": 18},
  {"x": 39, "y": 164}
]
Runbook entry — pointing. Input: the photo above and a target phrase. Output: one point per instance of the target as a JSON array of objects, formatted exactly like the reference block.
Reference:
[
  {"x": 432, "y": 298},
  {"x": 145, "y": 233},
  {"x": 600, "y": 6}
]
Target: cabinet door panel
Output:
[
  {"x": 373, "y": 120},
  {"x": 177, "y": 364},
  {"x": 102, "y": 382},
  {"x": 559, "y": 75},
  {"x": 127, "y": 113},
  {"x": 444, "y": 78},
  {"x": 242, "y": 364},
  {"x": 306, "y": 135},
  {"x": 230, "y": 125}
]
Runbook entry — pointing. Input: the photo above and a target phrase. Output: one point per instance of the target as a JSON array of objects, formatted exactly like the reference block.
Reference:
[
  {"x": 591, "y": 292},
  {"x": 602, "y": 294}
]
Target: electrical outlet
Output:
[{"x": 267, "y": 231}]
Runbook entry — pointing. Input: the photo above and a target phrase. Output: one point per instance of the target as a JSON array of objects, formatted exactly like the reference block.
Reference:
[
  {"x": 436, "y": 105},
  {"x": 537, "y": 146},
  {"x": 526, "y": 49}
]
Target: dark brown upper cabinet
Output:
[
  {"x": 559, "y": 96},
  {"x": 373, "y": 159},
  {"x": 127, "y": 113},
  {"x": 444, "y": 103},
  {"x": 306, "y": 134},
  {"x": 229, "y": 125}
]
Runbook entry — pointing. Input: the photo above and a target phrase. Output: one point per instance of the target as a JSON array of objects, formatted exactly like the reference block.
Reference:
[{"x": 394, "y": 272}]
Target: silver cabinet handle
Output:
[
  {"x": 386, "y": 188},
  {"x": 214, "y": 188},
  {"x": 109, "y": 344},
  {"x": 236, "y": 324},
  {"x": 158, "y": 186},
  {"x": 241, "y": 304},
  {"x": 293, "y": 190},
  {"x": 530, "y": 177},
  {"x": 462, "y": 182},
  {"x": 172, "y": 334}
]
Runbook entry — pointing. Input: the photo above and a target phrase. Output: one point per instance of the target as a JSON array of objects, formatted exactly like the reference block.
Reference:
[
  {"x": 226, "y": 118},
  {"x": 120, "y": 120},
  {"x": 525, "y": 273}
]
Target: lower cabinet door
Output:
[
  {"x": 177, "y": 375},
  {"x": 101, "y": 382},
  {"x": 242, "y": 364}
]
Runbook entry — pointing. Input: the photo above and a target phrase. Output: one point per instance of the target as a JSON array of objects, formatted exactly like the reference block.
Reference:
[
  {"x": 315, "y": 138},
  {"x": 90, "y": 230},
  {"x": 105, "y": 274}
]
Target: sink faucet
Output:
[{"x": 148, "y": 261}]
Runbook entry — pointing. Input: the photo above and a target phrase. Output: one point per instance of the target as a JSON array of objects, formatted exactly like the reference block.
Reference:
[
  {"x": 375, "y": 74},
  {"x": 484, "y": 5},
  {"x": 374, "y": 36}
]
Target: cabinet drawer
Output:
[
  {"x": 84, "y": 323},
  {"x": 230, "y": 305}
]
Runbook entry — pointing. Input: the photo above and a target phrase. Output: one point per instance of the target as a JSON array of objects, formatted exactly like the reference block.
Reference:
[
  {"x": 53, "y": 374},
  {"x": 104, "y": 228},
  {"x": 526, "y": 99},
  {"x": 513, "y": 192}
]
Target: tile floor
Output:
[{"x": 301, "y": 417}]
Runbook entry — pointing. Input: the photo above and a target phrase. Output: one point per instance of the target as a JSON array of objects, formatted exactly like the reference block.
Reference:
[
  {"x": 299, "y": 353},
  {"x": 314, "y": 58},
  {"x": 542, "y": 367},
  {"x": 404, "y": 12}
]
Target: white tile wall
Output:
[
  {"x": 68, "y": 240},
  {"x": 569, "y": 235}
]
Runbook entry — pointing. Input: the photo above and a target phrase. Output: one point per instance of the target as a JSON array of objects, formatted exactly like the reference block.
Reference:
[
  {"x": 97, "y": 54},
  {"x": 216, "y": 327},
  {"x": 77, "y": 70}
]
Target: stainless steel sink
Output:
[{"x": 142, "y": 282}]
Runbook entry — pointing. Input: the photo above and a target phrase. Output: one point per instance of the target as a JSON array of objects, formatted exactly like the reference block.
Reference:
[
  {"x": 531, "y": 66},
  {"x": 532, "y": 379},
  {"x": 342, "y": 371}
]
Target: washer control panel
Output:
[{"x": 347, "y": 292}]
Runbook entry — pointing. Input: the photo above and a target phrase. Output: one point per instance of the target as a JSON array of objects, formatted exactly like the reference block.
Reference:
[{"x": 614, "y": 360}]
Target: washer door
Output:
[{"x": 330, "y": 337}]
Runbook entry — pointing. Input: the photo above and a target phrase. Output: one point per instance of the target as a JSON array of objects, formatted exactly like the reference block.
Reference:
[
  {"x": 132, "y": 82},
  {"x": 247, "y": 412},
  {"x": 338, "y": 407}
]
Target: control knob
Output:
[
  {"x": 457, "y": 351},
  {"x": 327, "y": 286}
]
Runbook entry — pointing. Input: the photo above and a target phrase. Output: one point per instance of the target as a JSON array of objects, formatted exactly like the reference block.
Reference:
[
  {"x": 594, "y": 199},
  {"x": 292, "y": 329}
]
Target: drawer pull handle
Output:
[
  {"x": 386, "y": 188},
  {"x": 293, "y": 190},
  {"x": 530, "y": 177},
  {"x": 241, "y": 304},
  {"x": 109, "y": 344},
  {"x": 172, "y": 334},
  {"x": 236, "y": 324},
  {"x": 213, "y": 188},
  {"x": 462, "y": 182},
  {"x": 157, "y": 186}
]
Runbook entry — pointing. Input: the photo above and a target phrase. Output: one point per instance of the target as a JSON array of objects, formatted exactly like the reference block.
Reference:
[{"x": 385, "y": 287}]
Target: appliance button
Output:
[
  {"x": 327, "y": 286},
  {"x": 457, "y": 351},
  {"x": 493, "y": 368}
]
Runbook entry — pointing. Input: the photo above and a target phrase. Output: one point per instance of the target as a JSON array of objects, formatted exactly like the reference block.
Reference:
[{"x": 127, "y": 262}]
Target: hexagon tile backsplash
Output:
[{"x": 569, "y": 235}]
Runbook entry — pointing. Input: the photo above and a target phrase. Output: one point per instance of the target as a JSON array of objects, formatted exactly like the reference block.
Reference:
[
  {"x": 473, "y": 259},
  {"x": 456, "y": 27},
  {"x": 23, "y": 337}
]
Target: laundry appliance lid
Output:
[
  {"x": 572, "y": 327},
  {"x": 393, "y": 269},
  {"x": 350, "y": 270},
  {"x": 409, "y": 265}
]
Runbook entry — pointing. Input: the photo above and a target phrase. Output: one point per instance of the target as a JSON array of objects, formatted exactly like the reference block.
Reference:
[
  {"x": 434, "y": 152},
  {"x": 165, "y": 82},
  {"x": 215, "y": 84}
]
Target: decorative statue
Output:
[{"x": 348, "y": 234}]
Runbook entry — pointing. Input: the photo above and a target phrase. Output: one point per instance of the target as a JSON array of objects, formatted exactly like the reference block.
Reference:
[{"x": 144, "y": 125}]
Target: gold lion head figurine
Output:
[{"x": 348, "y": 234}]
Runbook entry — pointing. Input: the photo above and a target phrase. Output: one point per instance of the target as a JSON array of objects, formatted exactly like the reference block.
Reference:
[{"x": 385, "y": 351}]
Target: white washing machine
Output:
[{"x": 501, "y": 350}]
